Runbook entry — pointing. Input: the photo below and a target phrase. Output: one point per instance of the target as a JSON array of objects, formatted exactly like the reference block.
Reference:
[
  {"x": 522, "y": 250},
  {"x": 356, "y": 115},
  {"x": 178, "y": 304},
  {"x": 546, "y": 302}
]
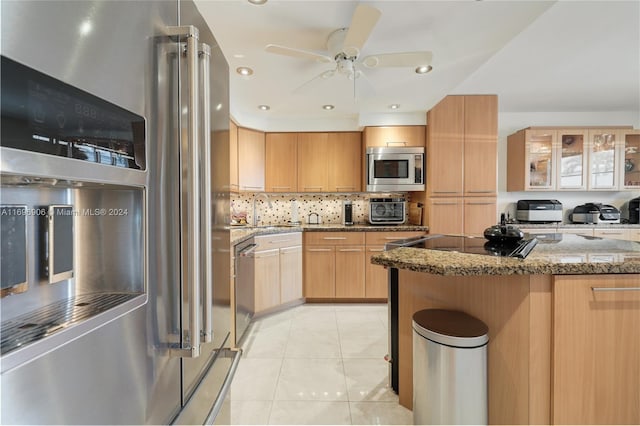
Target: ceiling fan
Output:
[{"x": 345, "y": 45}]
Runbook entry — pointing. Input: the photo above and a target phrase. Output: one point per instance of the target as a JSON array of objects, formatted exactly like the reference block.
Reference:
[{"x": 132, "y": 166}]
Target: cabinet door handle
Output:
[
  {"x": 351, "y": 250},
  {"x": 309, "y": 188},
  {"x": 445, "y": 204},
  {"x": 259, "y": 188},
  {"x": 615, "y": 288},
  {"x": 377, "y": 250},
  {"x": 334, "y": 238},
  {"x": 318, "y": 249},
  {"x": 352, "y": 188},
  {"x": 445, "y": 192},
  {"x": 396, "y": 143},
  {"x": 481, "y": 191},
  {"x": 281, "y": 187},
  {"x": 478, "y": 204},
  {"x": 279, "y": 241}
]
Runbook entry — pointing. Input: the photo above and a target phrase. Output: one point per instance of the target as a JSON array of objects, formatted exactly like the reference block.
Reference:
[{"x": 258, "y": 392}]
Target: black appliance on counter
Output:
[
  {"x": 634, "y": 211},
  {"x": 595, "y": 213},
  {"x": 347, "y": 213},
  {"x": 539, "y": 211}
]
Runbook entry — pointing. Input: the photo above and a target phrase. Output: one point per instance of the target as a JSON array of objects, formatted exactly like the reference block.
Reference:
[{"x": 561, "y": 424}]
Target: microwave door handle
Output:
[
  {"x": 190, "y": 201},
  {"x": 207, "y": 217}
]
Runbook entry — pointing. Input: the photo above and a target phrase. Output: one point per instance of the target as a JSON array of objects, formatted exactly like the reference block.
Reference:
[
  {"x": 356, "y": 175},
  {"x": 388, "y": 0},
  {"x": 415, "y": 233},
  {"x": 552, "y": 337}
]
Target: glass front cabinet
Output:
[
  {"x": 629, "y": 158},
  {"x": 573, "y": 159}
]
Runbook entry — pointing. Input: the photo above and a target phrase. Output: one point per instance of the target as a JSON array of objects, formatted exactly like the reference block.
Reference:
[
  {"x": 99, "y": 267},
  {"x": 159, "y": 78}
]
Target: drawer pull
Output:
[
  {"x": 445, "y": 204},
  {"x": 377, "y": 250},
  {"x": 615, "y": 288},
  {"x": 279, "y": 241},
  {"x": 327, "y": 249},
  {"x": 334, "y": 238},
  {"x": 352, "y": 250},
  {"x": 479, "y": 204}
]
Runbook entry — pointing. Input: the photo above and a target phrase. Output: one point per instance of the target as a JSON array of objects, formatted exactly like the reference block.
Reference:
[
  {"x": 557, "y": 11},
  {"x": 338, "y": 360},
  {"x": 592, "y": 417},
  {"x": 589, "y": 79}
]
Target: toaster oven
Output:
[{"x": 387, "y": 211}]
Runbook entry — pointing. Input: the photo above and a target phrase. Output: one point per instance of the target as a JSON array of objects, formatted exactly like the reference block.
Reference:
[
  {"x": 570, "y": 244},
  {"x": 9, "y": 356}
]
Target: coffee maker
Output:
[{"x": 347, "y": 213}]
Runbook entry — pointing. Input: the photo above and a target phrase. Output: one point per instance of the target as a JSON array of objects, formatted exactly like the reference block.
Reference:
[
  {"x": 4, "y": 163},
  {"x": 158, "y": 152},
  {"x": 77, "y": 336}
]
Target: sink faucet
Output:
[{"x": 255, "y": 197}]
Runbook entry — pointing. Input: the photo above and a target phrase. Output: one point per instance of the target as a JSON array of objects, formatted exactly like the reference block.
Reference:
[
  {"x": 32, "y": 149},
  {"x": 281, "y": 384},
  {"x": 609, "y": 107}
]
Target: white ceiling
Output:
[{"x": 536, "y": 55}]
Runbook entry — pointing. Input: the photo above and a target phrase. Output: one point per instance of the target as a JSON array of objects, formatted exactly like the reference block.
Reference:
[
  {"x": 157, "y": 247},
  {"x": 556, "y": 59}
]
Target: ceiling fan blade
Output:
[
  {"x": 362, "y": 23},
  {"x": 404, "y": 59},
  {"x": 296, "y": 53},
  {"x": 322, "y": 76}
]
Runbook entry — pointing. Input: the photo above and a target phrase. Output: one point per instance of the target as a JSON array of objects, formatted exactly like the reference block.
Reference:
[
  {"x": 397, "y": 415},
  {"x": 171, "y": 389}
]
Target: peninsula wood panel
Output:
[
  {"x": 596, "y": 350},
  {"x": 480, "y": 145},
  {"x": 445, "y": 147},
  {"x": 313, "y": 171},
  {"x": 376, "y": 276},
  {"x": 281, "y": 162},
  {"x": 504, "y": 304},
  {"x": 344, "y": 162}
]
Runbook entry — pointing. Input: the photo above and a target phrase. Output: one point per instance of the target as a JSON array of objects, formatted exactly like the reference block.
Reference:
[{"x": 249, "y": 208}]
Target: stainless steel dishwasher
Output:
[{"x": 244, "y": 294}]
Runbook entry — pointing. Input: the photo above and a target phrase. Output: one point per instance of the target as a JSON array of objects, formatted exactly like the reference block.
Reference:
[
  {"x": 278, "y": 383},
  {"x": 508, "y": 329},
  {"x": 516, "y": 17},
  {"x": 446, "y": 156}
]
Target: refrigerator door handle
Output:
[
  {"x": 207, "y": 229},
  {"x": 190, "y": 348}
]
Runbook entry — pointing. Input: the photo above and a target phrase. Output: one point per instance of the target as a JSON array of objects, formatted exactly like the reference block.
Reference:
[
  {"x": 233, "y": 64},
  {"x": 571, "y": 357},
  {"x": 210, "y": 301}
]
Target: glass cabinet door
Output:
[
  {"x": 572, "y": 159},
  {"x": 630, "y": 164},
  {"x": 602, "y": 159},
  {"x": 539, "y": 146}
]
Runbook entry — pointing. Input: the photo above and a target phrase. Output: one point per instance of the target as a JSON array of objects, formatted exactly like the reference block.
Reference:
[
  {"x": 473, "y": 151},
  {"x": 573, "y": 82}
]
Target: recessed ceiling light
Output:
[
  {"x": 424, "y": 69},
  {"x": 244, "y": 71},
  {"x": 238, "y": 55},
  {"x": 328, "y": 107},
  {"x": 394, "y": 106},
  {"x": 258, "y": 2},
  {"x": 264, "y": 107}
]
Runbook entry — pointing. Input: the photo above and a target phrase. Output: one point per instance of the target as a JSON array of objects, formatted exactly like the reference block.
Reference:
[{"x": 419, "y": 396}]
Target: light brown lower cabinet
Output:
[
  {"x": 350, "y": 271},
  {"x": 277, "y": 270},
  {"x": 338, "y": 264},
  {"x": 267, "y": 284},
  {"x": 290, "y": 273},
  {"x": 596, "y": 350}
]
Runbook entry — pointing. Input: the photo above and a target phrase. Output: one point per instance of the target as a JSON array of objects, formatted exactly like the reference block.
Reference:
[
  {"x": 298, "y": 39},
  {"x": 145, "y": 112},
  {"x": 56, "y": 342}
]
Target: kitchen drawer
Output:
[
  {"x": 334, "y": 238},
  {"x": 381, "y": 238},
  {"x": 272, "y": 241}
]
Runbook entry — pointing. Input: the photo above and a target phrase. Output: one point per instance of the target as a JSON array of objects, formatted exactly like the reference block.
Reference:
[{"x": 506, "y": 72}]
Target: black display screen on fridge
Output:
[{"x": 42, "y": 114}]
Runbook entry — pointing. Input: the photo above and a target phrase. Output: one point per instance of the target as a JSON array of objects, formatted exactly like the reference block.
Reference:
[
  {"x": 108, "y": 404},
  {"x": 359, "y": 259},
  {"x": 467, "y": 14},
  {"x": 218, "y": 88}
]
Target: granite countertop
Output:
[
  {"x": 573, "y": 254},
  {"x": 558, "y": 225},
  {"x": 242, "y": 233}
]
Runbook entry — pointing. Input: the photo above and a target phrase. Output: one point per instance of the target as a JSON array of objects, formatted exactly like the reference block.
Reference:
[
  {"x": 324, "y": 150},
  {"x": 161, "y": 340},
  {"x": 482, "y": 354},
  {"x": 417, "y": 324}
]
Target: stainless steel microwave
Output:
[{"x": 395, "y": 169}]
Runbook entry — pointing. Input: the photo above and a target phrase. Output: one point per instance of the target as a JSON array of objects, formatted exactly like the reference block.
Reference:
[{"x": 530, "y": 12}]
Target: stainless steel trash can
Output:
[{"x": 449, "y": 368}]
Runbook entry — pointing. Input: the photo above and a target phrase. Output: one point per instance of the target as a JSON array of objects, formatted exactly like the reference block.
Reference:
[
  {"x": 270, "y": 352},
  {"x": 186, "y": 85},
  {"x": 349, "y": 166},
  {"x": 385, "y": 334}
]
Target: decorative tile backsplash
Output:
[{"x": 328, "y": 207}]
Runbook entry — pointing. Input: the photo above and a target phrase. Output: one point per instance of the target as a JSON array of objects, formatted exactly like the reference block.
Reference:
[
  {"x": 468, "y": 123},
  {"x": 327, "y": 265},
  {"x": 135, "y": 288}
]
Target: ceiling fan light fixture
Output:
[
  {"x": 328, "y": 107},
  {"x": 245, "y": 71},
  {"x": 394, "y": 106},
  {"x": 424, "y": 69},
  {"x": 257, "y": 2},
  {"x": 264, "y": 107}
]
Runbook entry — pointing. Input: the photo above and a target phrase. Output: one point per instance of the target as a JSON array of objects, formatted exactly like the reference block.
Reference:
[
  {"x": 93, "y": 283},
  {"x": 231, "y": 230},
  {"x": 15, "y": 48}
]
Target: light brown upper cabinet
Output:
[
  {"x": 394, "y": 136},
  {"x": 233, "y": 157},
  {"x": 344, "y": 162},
  {"x": 313, "y": 154},
  {"x": 576, "y": 159},
  {"x": 281, "y": 162},
  {"x": 462, "y": 138},
  {"x": 329, "y": 162},
  {"x": 251, "y": 151}
]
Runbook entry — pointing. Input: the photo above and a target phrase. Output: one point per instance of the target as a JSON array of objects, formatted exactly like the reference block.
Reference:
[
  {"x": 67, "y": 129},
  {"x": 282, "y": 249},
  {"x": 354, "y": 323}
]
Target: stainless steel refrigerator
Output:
[{"x": 114, "y": 165}]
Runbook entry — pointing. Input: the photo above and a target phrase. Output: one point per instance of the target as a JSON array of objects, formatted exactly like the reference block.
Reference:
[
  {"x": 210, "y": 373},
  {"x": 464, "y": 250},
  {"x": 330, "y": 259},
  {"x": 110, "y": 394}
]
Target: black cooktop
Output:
[{"x": 467, "y": 244}]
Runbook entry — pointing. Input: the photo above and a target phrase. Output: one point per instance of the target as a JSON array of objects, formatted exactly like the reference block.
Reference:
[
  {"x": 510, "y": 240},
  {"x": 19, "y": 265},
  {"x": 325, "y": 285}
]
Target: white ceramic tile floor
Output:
[{"x": 316, "y": 364}]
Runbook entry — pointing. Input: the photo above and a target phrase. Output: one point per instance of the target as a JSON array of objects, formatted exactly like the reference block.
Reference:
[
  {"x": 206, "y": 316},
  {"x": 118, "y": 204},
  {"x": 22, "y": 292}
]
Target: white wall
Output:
[{"x": 509, "y": 123}]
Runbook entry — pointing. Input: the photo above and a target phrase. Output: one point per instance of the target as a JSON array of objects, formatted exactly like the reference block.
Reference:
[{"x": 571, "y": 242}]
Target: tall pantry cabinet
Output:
[{"x": 462, "y": 142}]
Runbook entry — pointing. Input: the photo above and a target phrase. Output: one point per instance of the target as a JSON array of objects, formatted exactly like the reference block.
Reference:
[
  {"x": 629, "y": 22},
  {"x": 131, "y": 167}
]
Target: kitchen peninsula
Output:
[{"x": 563, "y": 325}]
